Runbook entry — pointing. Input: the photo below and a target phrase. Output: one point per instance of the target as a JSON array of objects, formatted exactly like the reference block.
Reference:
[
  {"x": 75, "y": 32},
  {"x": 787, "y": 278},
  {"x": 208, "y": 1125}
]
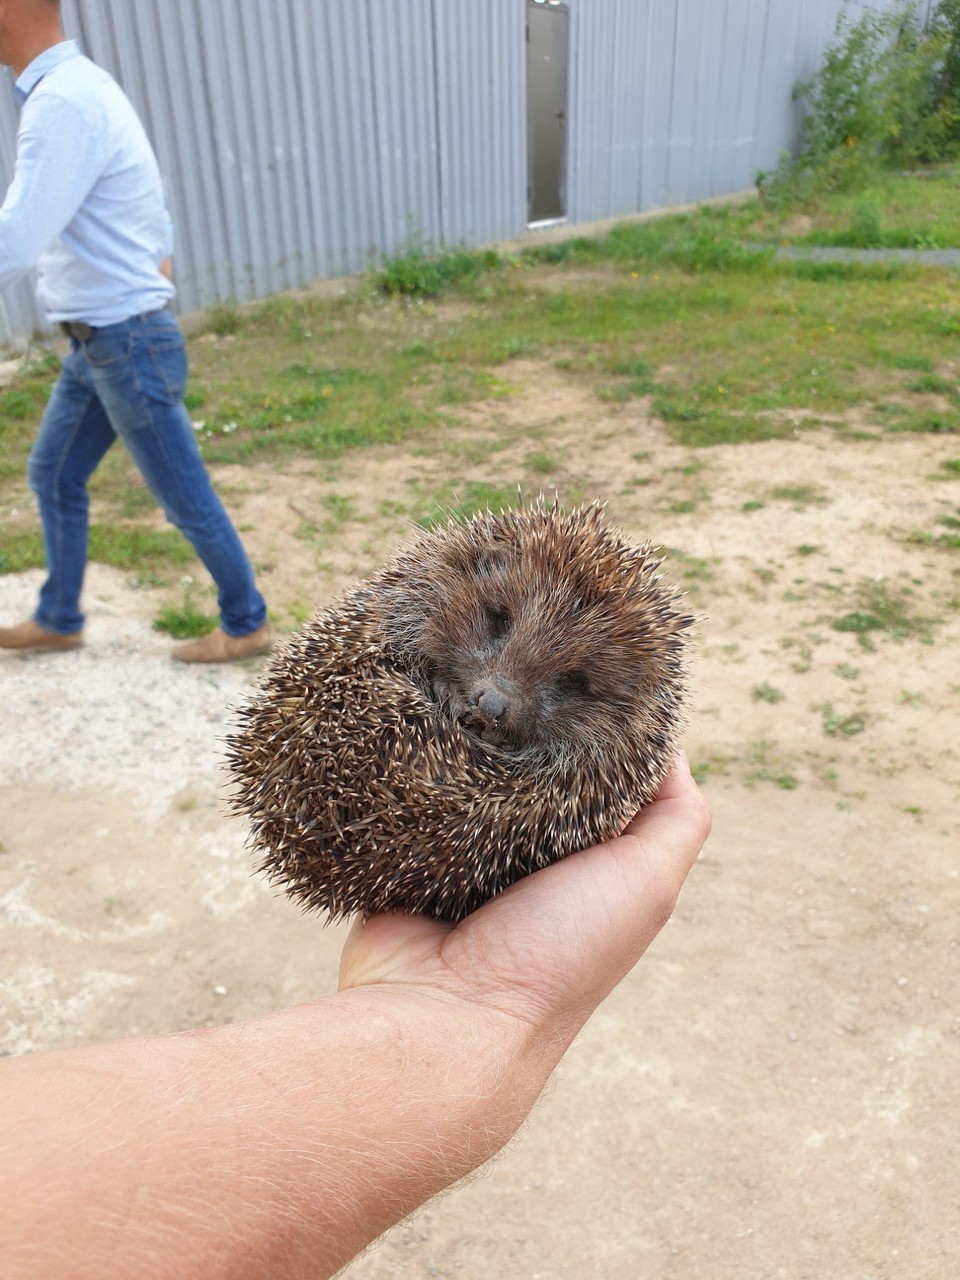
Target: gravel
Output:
[{"x": 117, "y": 713}]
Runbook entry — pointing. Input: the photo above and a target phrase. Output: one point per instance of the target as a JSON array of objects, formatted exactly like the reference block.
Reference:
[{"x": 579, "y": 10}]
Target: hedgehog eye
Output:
[
  {"x": 573, "y": 683},
  {"x": 498, "y": 623}
]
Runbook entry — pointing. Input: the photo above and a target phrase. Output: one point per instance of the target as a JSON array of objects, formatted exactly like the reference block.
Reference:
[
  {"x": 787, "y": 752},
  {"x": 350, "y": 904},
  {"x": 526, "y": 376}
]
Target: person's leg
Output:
[
  {"x": 139, "y": 370},
  {"x": 73, "y": 437}
]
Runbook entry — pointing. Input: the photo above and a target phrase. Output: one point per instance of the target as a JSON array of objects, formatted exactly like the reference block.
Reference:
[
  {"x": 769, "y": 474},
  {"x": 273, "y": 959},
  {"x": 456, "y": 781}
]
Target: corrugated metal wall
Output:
[{"x": 302, "y": 138}]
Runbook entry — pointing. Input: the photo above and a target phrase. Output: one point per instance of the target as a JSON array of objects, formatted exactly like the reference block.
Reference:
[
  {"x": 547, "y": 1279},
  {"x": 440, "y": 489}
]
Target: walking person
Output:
[{"x": 86, "y": 208}]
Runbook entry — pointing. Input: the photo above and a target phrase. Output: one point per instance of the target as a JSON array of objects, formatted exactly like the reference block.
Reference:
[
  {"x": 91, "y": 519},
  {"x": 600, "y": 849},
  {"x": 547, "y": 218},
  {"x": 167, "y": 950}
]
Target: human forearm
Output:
[
  {"x": 276, "y": 1147},
  {"x": 281, "y": 1146}
]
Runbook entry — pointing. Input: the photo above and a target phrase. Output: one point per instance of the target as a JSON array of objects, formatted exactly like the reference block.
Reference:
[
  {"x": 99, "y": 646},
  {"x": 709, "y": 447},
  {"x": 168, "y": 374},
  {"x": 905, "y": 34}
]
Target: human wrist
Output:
[{"x": 475, "y": 1066}]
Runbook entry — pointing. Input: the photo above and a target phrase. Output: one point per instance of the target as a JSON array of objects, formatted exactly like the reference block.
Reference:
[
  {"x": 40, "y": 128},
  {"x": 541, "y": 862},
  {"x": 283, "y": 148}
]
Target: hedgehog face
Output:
[
  {"x": 531, "y": 673},
  {"x": 532, "y": 641}
]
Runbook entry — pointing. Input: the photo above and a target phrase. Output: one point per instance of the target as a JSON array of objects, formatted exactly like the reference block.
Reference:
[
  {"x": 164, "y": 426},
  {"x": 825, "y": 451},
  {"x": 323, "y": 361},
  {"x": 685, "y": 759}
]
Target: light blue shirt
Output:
[{"x": 86, "y": 203}]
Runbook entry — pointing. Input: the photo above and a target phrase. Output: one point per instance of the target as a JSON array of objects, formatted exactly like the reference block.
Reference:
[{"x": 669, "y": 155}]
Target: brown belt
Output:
[
  {"x": 81, "y": 332},
  {"x": 77, "y": 330}
]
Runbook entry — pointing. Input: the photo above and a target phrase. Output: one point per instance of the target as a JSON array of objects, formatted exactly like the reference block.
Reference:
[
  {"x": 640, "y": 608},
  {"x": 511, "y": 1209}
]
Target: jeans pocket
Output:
[
  {"x": 162, "y": 369},
  {"x": 105, "y": 348}
]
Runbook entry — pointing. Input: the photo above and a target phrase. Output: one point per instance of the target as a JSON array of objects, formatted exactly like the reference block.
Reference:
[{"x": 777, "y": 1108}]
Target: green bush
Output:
[
  {"x": 886, "y": 95},
  {"x": 418, "y": 272}
]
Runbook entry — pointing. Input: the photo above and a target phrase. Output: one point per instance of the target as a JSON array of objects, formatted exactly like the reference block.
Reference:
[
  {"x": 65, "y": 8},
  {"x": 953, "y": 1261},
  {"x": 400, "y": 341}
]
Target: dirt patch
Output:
[{"x": 773, "y": 1091}]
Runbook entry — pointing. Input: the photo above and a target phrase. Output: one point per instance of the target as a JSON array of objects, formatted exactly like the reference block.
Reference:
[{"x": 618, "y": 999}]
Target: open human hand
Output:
[{"x": 548, "y": 950}]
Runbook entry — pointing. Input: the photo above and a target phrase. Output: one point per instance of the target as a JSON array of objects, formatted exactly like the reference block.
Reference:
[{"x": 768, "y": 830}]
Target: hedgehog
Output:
[{"x": 508, "y": 690}]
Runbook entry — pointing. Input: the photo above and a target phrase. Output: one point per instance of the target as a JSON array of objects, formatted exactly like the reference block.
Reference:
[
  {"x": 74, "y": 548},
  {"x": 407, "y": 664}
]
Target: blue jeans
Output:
[{"x": 127, "y": 382}]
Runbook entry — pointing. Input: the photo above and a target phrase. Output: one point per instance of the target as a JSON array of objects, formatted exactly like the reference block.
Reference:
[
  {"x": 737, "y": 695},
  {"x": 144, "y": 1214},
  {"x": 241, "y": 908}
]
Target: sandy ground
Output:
[{"x": 775, "y": 1091}]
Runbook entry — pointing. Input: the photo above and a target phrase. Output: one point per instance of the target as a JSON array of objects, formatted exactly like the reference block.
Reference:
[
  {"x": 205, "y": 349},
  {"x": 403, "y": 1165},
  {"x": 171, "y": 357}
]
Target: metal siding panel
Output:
[
  {"x": 342, "y": 87},
  {"x": 597, "y": 75},
  {"x": 269, "y": 70},
  {"x": 149, "y": 70},
  {"x": 591, "y": 109},
  {"x": 187, "y": 149},
  {"x": 509, "y": 143},
  {"x": 734, "y": 65},
  {"x": 582, "y": 175},
  {"x": 480, "y": 111},
  {"x": 320, "y": 199},
  {"x": 608, "y": 49},
  {"x": 778, "y": 116},
  {"x": 712, "y": 19},
  {"x": 660, "y": 64},
  {"x": 738, "y": 172},
  {"x": 683, "y": 112},
  {"x": 627, "y": 141},
  {"x": 245, "y": 108},
  {"x": 406, "y": 120},
  {"x": 291, "y": 107},
  {"x": 220, "y": 49}
]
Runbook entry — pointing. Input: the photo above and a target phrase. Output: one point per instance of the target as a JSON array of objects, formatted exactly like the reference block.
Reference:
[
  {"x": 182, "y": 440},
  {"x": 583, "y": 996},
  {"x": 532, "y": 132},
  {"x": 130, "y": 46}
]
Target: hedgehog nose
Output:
[{"x": 492, "y": 704}]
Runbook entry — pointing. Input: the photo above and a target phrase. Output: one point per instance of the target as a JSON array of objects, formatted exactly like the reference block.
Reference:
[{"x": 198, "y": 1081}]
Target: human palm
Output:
[{"x": 548, "y": 950}]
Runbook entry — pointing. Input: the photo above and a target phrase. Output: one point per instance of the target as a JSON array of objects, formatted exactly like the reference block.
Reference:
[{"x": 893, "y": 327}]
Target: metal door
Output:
[{"x": 548, "y": 27}]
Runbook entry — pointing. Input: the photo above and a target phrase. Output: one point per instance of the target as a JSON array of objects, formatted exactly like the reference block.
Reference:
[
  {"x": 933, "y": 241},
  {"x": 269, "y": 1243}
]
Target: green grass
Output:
[
  {"x": 21, "y": 406},
  {"x": 766, "y": 693},
  {"x": 541, "y": 463},
  {"x": 729, "y": 346},
  {"x": 142, "y": 550},
  {"x": 835, "y": 724},
  {"x": 803, "y": 495},
  {"x": 21, "y": 549},
  {"x": 932, "y": 384},
  {"x": 895, "y": 211},
  {"x": 148, "y": 552},
  {"x": 419, "y": 272},
  {"x": 886, "y": 609},
  {"x": 468, "y": 500},
  {"x": 184, "y": 623},
  {"x": 746, "y": 342},
  {"x": 945, "y": 541}
]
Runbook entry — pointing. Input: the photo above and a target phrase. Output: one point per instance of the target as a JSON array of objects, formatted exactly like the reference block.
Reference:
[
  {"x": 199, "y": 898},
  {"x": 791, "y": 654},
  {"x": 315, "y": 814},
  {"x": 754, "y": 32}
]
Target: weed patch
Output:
[
  {"x": 418, "y": 272},
  {"x": 837, "y": 725},
  {"x": 184, "y": 623},
  {"x": 883, "y": 609},
  {"x": 802, "y": 495}
]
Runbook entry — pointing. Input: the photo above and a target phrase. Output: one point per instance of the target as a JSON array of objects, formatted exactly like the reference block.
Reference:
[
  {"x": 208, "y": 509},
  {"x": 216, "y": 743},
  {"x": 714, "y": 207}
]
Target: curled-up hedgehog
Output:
[{"x": 505, "y": 692}]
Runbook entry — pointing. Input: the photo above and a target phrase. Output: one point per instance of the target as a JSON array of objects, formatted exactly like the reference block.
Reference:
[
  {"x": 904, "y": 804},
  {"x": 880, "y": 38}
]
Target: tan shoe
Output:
[
  {"x": 30, "y": 637},
  {"x": 217, "y": 646}
]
